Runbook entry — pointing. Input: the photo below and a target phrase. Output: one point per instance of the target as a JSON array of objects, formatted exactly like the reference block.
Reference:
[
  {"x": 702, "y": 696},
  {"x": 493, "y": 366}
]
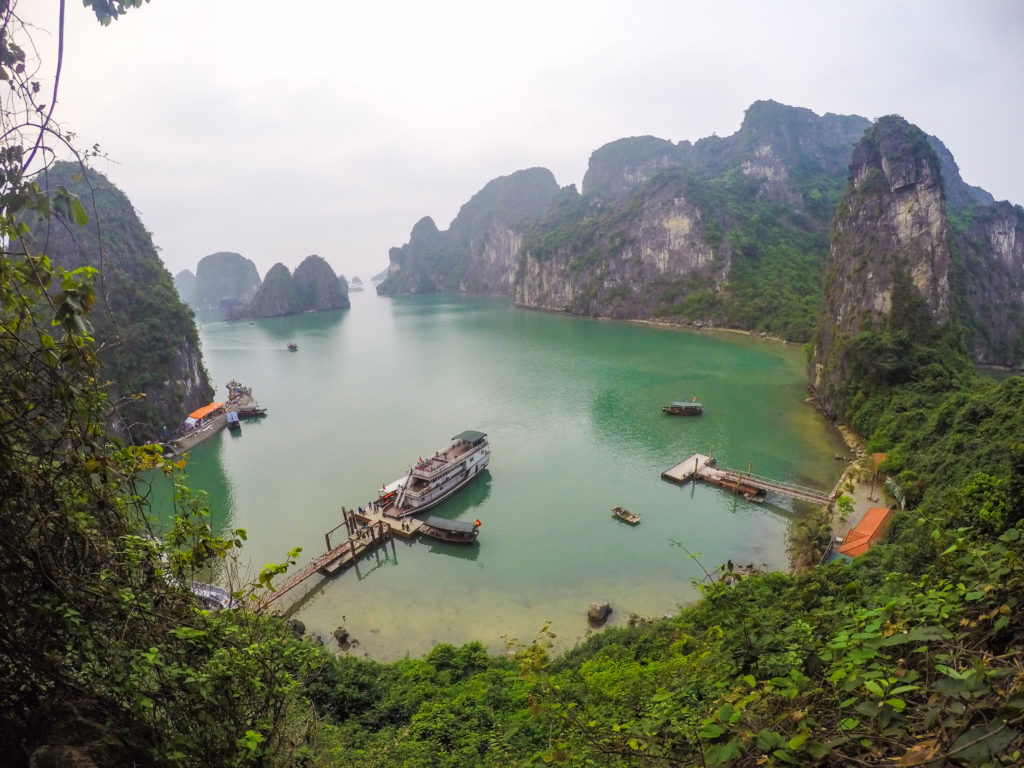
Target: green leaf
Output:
[
  {"x": 711, "y": 731},
  {"x": 724, "y": 713},
  {"x": 849, "y": 723},
  {"x": 78, "y": 210},
  {"x": 816, "y": 749}
]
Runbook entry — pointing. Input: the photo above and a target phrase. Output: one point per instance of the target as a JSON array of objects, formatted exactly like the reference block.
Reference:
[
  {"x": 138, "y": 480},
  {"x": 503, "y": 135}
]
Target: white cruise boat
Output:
[{"x": 430, "y": 481}]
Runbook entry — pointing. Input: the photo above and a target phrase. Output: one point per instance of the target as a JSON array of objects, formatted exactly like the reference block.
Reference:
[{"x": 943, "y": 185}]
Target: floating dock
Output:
[
  {"x": 705, "y": 468},
  {"x": 239, "y": 399}
]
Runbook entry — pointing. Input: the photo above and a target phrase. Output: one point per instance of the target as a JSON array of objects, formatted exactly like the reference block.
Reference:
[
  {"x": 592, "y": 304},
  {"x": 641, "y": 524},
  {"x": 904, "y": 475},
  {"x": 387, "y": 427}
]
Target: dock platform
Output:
[
  {"x": 366, "y": 529},
  {"x": 705, "y": 468}
]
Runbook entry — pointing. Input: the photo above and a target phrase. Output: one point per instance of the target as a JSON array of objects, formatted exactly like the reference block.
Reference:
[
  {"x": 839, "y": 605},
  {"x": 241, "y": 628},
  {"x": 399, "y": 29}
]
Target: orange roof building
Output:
[
  {"x": 869, "y": 530},
  {"x": 206, "y": 410}
]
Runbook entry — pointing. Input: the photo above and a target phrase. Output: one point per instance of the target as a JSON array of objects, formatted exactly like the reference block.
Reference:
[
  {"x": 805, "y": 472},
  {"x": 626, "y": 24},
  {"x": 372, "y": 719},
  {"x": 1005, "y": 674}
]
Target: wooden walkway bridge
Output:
[
  {"x": 363, "y": 535},
  {"x": 701, "y": 467}
]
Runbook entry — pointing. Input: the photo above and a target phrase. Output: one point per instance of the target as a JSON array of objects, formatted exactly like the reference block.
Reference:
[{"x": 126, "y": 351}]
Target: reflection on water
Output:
[{"x": 462, "y": 551}]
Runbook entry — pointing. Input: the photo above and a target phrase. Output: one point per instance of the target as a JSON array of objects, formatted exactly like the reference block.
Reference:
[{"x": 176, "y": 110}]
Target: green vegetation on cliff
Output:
[{"x": 148, "y": 342}]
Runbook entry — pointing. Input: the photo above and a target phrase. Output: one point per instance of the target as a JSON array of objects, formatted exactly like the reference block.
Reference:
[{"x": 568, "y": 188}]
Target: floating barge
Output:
[
  {"x": 203, "y": 423},
  {"x": 753, "y": 487}
]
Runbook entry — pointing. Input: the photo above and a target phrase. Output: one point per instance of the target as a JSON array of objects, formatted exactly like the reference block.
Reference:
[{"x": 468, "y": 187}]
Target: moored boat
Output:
[
  {"x": 251, "y": 412},
  {"x": 680, "y": 408},
  {"x": 454, "y": 531},
  {"x": 233, "y": 423},
  {"x": 430, "y": 481},
  {"x": 625, "y": 515}
]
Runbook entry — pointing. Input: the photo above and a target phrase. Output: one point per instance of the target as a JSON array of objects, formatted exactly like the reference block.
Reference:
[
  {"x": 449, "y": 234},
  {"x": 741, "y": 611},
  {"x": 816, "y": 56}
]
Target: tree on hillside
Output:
[{"x": 105, "y": 655}]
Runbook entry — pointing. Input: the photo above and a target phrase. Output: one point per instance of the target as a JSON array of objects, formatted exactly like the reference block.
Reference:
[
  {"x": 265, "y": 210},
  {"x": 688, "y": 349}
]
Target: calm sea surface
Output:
[{"x": 572, "y": 409}]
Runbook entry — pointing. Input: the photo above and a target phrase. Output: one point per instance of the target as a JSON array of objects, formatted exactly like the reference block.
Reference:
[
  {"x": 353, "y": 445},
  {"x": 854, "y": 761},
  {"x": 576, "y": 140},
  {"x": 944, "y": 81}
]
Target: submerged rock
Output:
[{"x": 599, "y": 612}]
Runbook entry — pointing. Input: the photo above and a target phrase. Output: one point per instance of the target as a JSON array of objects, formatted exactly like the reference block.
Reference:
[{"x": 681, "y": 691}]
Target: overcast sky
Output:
[{"x": 279, "y": 130}]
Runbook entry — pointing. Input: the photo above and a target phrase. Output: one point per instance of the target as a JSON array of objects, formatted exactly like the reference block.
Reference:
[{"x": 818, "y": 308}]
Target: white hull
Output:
[{"x": 432, "y": 481}]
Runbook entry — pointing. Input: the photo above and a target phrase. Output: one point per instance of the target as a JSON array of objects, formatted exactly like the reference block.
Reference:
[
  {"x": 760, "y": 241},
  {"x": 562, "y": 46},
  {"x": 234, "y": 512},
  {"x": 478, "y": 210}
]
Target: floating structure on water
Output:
[
  {"x": 203, "y": 423},
  {"x": 430, "y": 481},
  {"x": 753, "y": 487}
]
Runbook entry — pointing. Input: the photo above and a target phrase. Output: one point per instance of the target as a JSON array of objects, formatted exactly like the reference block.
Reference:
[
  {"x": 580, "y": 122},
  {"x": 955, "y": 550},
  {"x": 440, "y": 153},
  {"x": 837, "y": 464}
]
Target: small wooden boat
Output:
[
  {"x": 624, "y": 514},
  {"x": 679, "y": 408},
  {"x": 251, "y": 412},
  {"x": 453, "y": 531},
  {"x": 293, "y": 347}
]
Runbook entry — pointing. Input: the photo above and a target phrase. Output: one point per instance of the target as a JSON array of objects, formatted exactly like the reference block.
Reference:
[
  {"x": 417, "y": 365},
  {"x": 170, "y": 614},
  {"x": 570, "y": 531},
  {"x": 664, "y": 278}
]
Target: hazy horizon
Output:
[{"x": 331, "y": 130}]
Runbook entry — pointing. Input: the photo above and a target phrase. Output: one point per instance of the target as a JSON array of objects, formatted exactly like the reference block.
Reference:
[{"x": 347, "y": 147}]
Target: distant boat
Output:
[
  {"x": 624, "y": 514},
  {"x": 233, "y": 423},
  {"x": 293, "y": 347},
  {"x": 454, "y": 531},
  {"x": 679, "y": 408}
]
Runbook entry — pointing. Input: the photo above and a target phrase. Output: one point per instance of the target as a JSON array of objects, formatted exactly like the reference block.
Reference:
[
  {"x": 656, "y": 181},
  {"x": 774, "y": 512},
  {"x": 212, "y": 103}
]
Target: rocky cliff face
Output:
[
  {"x": 277, "y": 295},
  {"x": 682, "y": 232},
  {"x": 890, "y": 263},
  {"x": 479, "y": 252},
  {"x": 147, "y": 338},
  {"x": 317, "y": 288},
  {"x": 185, "y": 285},
  {"x": 916, "y": 256},
  {"x": 225, "y": 281},
  {"x": 727, "y": 231},
  {"x": 663, "y": 251},
  {"x": 990, "y": 243}
]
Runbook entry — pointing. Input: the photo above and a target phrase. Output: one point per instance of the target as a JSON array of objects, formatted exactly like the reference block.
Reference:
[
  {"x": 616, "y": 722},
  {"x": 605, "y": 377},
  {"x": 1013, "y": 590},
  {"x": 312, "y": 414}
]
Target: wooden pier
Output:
[
  {"x": 701, "y": 467},
  {"x": 365, "y": 530}
]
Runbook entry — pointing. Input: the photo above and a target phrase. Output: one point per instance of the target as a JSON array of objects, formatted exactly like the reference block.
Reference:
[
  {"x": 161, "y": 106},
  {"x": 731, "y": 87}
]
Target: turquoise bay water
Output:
[{"x": 572, "y": 408}]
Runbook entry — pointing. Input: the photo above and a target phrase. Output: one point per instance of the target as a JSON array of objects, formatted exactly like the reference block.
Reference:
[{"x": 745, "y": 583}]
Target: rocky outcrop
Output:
[
  {"x": 990, "y": 240},
  {"x": 313, "y": 288},
  {"x": 317, "y": 288},
  {"x": 277, "y": 295},
  {"x": 147, "y": 341},
  {"x": 736, "y": 231},
  {"x": 919, "y": 259},
  {"x": 890, "y": 263},
  {"x": 598, "y": 612},
  {"x": 679, "y": 232},
  {"x": 185, "y": 285},
  {"x": 662, "y": 251},
  {"x": 225, "y": 281},
  {"x": 479, "y": 252}
]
